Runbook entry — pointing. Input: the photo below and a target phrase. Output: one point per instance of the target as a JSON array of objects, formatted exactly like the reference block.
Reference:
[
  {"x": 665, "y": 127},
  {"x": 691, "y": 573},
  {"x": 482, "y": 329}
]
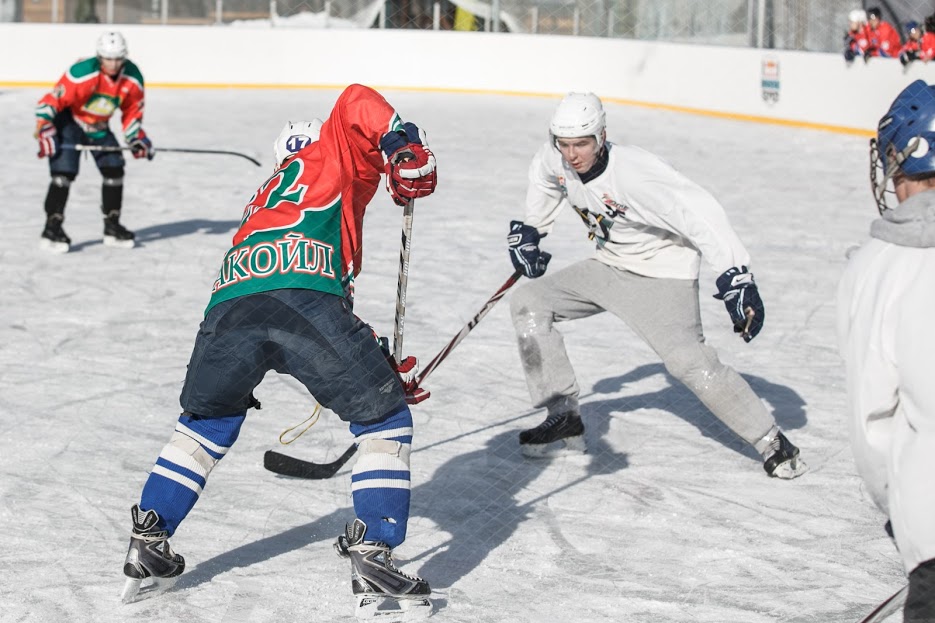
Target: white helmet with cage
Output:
[
  {"x": 112, "y": 45},
  {"x": 579, "y": 114},
  {"x": 294, "y": 136}
]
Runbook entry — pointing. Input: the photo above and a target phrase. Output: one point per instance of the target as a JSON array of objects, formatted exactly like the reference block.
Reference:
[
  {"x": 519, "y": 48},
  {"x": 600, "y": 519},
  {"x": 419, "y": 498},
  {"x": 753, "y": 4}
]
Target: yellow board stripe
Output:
[{"x": 616, "y": 100}]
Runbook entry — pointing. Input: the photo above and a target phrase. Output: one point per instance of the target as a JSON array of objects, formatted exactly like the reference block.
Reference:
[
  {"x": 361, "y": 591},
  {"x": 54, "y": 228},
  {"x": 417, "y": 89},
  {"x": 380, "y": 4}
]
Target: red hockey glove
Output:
[
  {"x": 407, "y": 370},
  {"x": 47, "y": 136},
  {"x": 410, "y": 164},
  {"x": 142, "y": 147}
]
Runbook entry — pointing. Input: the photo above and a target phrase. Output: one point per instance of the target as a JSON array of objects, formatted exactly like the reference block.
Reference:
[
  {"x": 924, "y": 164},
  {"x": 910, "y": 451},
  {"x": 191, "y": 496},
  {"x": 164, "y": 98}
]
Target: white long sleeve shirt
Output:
[
  {"x": 886, "y": 336},
  {"x": 644, "y": 216}
]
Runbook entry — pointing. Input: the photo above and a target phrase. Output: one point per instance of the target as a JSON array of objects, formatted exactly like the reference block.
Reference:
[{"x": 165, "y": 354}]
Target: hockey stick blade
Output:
[
  {"x": 297, "y": 468},
  {"x": 892, "y": 603}
]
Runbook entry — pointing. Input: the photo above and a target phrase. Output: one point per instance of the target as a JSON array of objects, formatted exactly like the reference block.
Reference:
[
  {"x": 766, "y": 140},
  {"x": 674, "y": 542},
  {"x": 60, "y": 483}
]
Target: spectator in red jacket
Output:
[
  {"x": 912, "y": 50},
  {"x": 927, "y": 46},
  {"x": 855, "y": 39},
  {"x": 884, "y": 40}
]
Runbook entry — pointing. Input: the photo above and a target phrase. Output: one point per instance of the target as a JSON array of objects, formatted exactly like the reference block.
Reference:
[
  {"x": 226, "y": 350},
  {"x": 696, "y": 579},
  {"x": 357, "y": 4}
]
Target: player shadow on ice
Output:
[
  {"x": 788, "y": 407},
  {"x": 171, "y": 230},
  {"x": 471, "y": 499}
]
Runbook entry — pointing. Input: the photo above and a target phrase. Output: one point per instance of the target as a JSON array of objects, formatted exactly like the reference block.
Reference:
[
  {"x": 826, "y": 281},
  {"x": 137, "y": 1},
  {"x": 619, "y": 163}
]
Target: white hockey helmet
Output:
[
  {"x": 112, "y": 45},
  {"x": 295, "y": 135},
  {"x": 579, "y": 114},
  {"x": 857, "y": 16}
]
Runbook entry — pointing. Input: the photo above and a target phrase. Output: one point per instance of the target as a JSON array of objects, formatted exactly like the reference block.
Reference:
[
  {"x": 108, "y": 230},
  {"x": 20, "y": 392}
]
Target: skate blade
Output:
[
  {"x": 570, "y": 446},
  {"x": 54, "y": 247},
  {"x": 388, "y": 609},
  {"x": 134, "y": 590},
  {"x": 110, "y": 241},
  {"x": 791, "y": 469}
]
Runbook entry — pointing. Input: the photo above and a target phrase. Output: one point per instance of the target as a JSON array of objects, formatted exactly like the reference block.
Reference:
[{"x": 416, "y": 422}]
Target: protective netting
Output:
[{"x": 812, "y": 25}]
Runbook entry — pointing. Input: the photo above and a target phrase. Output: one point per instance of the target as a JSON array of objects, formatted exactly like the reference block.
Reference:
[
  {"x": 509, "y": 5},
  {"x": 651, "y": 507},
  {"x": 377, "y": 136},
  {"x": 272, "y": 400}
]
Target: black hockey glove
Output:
[
  {"x": 742, "y": 299},
  {"x": 523, "y": 243}
]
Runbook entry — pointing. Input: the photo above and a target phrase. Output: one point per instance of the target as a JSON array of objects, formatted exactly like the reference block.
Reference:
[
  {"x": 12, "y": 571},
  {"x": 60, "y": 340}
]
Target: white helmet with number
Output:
[
  {"x": 112, "y": 45},
  {"x": 579, "y": 114},
  {"x": 295, "y": 135},
  {"x": 857, "y": 16}
]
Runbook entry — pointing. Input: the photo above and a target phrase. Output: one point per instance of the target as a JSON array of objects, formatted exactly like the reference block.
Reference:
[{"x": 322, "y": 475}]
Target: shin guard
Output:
[
  {"x": 183, "y": 466},
  {"x": 380, "y": 479}
]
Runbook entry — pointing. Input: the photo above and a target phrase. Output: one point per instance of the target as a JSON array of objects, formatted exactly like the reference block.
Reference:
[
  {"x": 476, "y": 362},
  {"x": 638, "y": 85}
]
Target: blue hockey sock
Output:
[
  {"x": 380, "y": 480},
  {"x": 182, "y": 469}
]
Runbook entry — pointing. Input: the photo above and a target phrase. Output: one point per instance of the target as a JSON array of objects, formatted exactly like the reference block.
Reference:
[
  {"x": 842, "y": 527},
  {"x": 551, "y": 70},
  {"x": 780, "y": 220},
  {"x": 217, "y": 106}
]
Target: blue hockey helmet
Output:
[{"x": 905, "y": 142}]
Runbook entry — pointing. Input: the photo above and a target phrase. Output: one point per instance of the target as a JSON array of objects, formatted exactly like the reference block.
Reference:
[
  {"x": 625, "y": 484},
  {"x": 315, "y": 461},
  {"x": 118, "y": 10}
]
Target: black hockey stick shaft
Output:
[
  {"x": 473, "y": 322},
  {"x": 290, "y": 466},
  {"x": 183, "y": 150}
]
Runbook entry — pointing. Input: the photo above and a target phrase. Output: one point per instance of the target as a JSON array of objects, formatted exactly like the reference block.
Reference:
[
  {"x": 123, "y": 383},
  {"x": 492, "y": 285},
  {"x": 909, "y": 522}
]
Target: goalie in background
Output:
[
  {"x": 282, "y": 301},
  {"x": 887, "y": 339},
  {"x": 651, "y": 227},
  {"x": 77, "y": 112}
]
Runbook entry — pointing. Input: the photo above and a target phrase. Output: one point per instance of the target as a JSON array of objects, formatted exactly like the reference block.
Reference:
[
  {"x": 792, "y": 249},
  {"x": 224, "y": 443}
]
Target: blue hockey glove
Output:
[
  {"x": 523, "y": 243},
  {"x": 742, "y": 299}
]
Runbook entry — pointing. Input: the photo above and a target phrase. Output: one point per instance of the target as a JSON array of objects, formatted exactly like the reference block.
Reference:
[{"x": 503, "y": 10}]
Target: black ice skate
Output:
[
  {"x": 782, "y": 459},
  {"x": 381, "y": 591},
  {"x": 54, "y": 237},
  {"x": 115, "y": 234},
  {"x": 562, "y": 433},
  {"x": 150, "y": 557}
]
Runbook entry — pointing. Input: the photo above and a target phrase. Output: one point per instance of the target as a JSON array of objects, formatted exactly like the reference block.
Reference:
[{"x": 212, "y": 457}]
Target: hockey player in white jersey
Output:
[
  {"x": 651, "y": 226},
  {"x": 887, "y": 340}
]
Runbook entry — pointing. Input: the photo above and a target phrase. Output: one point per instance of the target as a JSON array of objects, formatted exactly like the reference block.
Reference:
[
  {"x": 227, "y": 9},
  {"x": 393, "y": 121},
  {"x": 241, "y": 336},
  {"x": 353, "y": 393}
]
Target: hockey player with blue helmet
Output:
[{"x": 887, "y": 339}]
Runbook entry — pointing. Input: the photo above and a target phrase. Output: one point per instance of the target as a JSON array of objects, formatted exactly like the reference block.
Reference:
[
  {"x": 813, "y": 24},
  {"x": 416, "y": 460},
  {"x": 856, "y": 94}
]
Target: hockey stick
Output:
[
  {"x": 499, "y": 294},
  {"x": 80, "y": 147},
  {"x": 290, "y": 466},
  {"x": 402, "y": 282},
  {"x": 890, "y": 605}
]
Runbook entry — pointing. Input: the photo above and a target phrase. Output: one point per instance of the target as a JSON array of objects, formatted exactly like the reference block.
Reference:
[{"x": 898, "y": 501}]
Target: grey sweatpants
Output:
[{"x": 664, "y": 312}]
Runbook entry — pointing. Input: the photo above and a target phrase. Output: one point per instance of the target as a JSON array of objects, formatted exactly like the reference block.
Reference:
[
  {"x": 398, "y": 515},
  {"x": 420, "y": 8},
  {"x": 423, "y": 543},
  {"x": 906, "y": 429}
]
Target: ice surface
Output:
[{"x": 670, "y": 518}]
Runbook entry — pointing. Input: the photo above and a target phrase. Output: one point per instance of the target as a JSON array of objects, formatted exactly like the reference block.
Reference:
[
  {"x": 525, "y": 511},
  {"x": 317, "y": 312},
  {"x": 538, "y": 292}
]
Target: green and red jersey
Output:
[
  {"x": 93, "y": 97},
  {"x": 303, "y": 227}
]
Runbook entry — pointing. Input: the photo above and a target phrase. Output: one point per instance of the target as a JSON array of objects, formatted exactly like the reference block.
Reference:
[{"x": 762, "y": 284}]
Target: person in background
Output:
[
  {"x": 912, "y": 50},
  {"x": 884, "y": 39},
  {"x": 855, "y": 39},
  {"x": 887, "y": 340},
  {"x": 77, "y": 112}
]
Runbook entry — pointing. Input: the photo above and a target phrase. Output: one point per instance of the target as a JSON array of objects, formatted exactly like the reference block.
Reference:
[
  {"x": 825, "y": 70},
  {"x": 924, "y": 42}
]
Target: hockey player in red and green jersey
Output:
[
  {"x": 77, "y": 112},
  {"x": 282, "y": 302}
]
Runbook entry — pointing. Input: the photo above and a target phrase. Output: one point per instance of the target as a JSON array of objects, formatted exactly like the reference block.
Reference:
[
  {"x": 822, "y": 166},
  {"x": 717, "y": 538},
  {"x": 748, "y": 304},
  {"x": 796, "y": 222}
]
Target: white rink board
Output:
[{"x": 813, "y": 88}]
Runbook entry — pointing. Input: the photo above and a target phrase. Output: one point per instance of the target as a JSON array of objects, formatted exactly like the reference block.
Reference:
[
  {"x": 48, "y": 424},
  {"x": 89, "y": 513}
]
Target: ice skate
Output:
[
  {"x": 381, "y": 591},
  {"x": 782, "y": 459},
  {"x": 54, "y": 238},
  {"x": 149, "y": 557},
  {"x": 560, "y": 434},
  {"x": 115, "y": 234}
]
